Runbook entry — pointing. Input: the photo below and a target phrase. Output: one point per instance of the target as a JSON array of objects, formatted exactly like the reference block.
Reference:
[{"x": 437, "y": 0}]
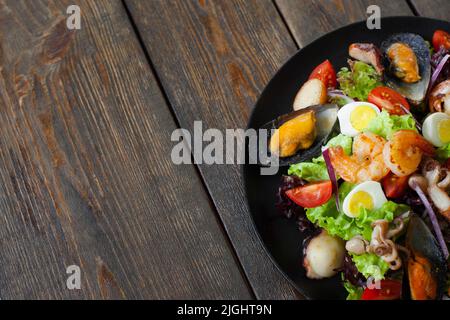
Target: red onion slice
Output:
[
  {"x": 437, "y": 71},
  {"x": 332, "y": 174},
  {"x": 433, "y": 218},
  {"x": 339, "y": 94}
]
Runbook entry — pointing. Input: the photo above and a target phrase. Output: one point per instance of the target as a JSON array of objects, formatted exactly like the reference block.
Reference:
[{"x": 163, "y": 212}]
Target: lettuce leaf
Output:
[
  {"x": 370, "y": 265},
  {"x": 329, "y": 218},
  {"x": 317, "y": 170},
  {"x": 309, "y": 171},
  {"x": 443, "y": 153},
  {"x": 346, "y": 142},
  {"x": 386, "y": 125},
  {"x": 338, "y": 224},
  {"x": 388, "y": 211},
  {"x": 354, "y": 292},
  {"x": 359, "y": 81}
]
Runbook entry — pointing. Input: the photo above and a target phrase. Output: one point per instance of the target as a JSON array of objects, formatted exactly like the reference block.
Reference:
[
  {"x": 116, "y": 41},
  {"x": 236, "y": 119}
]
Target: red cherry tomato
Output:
[
  {"x": 388, "y": 99},
  {"x": 325, "y": 73},
  {"x": 394, "y": 187},
  {"x": 311, "y": 195},
  {"x": 389, "y": 290},
  {"x": 441, "y": 39}
]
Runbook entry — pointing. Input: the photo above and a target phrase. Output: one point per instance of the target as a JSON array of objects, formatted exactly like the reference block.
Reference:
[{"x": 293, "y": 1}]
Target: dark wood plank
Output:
[
  {"x": 85, "y": 171},
  {"x": 310, "y": 19},
  {"x": 214, "y": 58},
  {"x": 439, "y": 9}
]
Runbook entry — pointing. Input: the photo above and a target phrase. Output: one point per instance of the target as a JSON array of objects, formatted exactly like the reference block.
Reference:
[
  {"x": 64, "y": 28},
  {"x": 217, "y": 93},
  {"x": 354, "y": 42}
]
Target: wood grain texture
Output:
[
  {"x": 310, "y": 19},
  {"x": 213, "y": 59},
  {"x": 439, "y": 9},
  {"x": 85, "y": 171}
]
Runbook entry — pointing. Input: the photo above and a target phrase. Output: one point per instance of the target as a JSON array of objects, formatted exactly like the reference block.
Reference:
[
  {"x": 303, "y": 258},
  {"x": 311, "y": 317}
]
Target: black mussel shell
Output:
[
  {"x": 414, "y": 92},
  {"x": 421, "y": 243},
  {"x": 327, "y": 125}
]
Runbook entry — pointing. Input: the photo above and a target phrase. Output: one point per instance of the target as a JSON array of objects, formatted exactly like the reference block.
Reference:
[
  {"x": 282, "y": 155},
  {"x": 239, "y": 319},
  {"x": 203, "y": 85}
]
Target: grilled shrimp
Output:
[
  {"x": 403, "y": 153},
  {"x": 365, "y": 164}
]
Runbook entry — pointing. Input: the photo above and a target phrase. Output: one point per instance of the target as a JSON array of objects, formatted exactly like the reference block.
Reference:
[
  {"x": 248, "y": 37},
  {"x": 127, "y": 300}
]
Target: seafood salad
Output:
[{"x": 368, "y": 179}]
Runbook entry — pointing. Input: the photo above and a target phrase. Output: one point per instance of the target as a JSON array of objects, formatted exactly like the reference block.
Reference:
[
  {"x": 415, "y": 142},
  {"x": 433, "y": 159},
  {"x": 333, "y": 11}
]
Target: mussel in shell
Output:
[
  {"x": 300, "y": 135},
  {"x": 426, "y": 263},
  {"x": 406, "y": 58},
  {"x": 403, "y": 62}
]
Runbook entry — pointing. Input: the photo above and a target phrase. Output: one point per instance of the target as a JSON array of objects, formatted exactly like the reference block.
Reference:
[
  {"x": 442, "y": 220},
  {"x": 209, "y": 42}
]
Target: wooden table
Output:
[{"x": 86, "y": 117}]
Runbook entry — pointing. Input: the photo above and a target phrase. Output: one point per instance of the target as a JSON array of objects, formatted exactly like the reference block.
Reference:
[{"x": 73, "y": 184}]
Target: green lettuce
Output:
[
  {"x": 346, "y": 142},
  {"x": 342, "y": 140},
  {"x": 359, "y": 81},
  {"x": 354, "y": 292},
  {"x": 371, "y": 265},
  {"x": 430, "y": 47},
  {"x": 338, "y": 224},
  {"x": 317, "y": 170},
  {"x": 443, "y": 153},
  {"x": 387, "y": 211},
  {"x": 329, "y": 218},
  {"x": 386, "y": 125},
  {"x": 309, "y": 171}
]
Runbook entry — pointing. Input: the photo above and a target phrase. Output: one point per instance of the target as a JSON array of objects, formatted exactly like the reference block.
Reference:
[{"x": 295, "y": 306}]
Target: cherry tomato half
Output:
[
  {"x": 325, "y": 73},
  {"x": 389, "y": 290},
  {"x": 311, "y": 195},
  {"x": 388, "y": 99},
  {"x": 394, "y": 187},
  {"x": 441, "y": 39}
]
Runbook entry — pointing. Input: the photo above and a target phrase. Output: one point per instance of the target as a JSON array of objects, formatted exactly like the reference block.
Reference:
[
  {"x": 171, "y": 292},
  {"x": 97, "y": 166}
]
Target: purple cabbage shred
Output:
[
  {"x": 351, "y": 273},
  {"x": 435, "y": 59},
  {"x": 288, "y": 208}
]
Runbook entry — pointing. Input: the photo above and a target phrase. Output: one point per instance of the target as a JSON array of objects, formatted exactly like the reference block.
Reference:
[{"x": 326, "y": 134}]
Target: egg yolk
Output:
[
  {"x": 444, "y": 131},
  {"x": 361, "y": 117},
  {"x": 359, "y": 200}
]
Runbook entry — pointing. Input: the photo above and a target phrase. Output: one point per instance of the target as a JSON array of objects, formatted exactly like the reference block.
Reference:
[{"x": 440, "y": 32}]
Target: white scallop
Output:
[
  {"x": 344, "y": 117},
  {"x": 373, "y": 188},
  {"x": 430, "y": 128},
  {"x": 324, "y": 254}
]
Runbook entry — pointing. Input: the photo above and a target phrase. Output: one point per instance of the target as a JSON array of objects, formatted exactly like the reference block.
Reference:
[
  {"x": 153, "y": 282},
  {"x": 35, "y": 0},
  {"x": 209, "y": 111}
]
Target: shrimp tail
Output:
[{"x": 343, "y": 164}]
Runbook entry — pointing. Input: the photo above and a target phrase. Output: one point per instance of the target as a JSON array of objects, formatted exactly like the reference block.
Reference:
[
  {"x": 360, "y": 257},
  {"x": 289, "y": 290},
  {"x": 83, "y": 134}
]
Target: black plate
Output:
[{"x": 280, "y": 236}]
